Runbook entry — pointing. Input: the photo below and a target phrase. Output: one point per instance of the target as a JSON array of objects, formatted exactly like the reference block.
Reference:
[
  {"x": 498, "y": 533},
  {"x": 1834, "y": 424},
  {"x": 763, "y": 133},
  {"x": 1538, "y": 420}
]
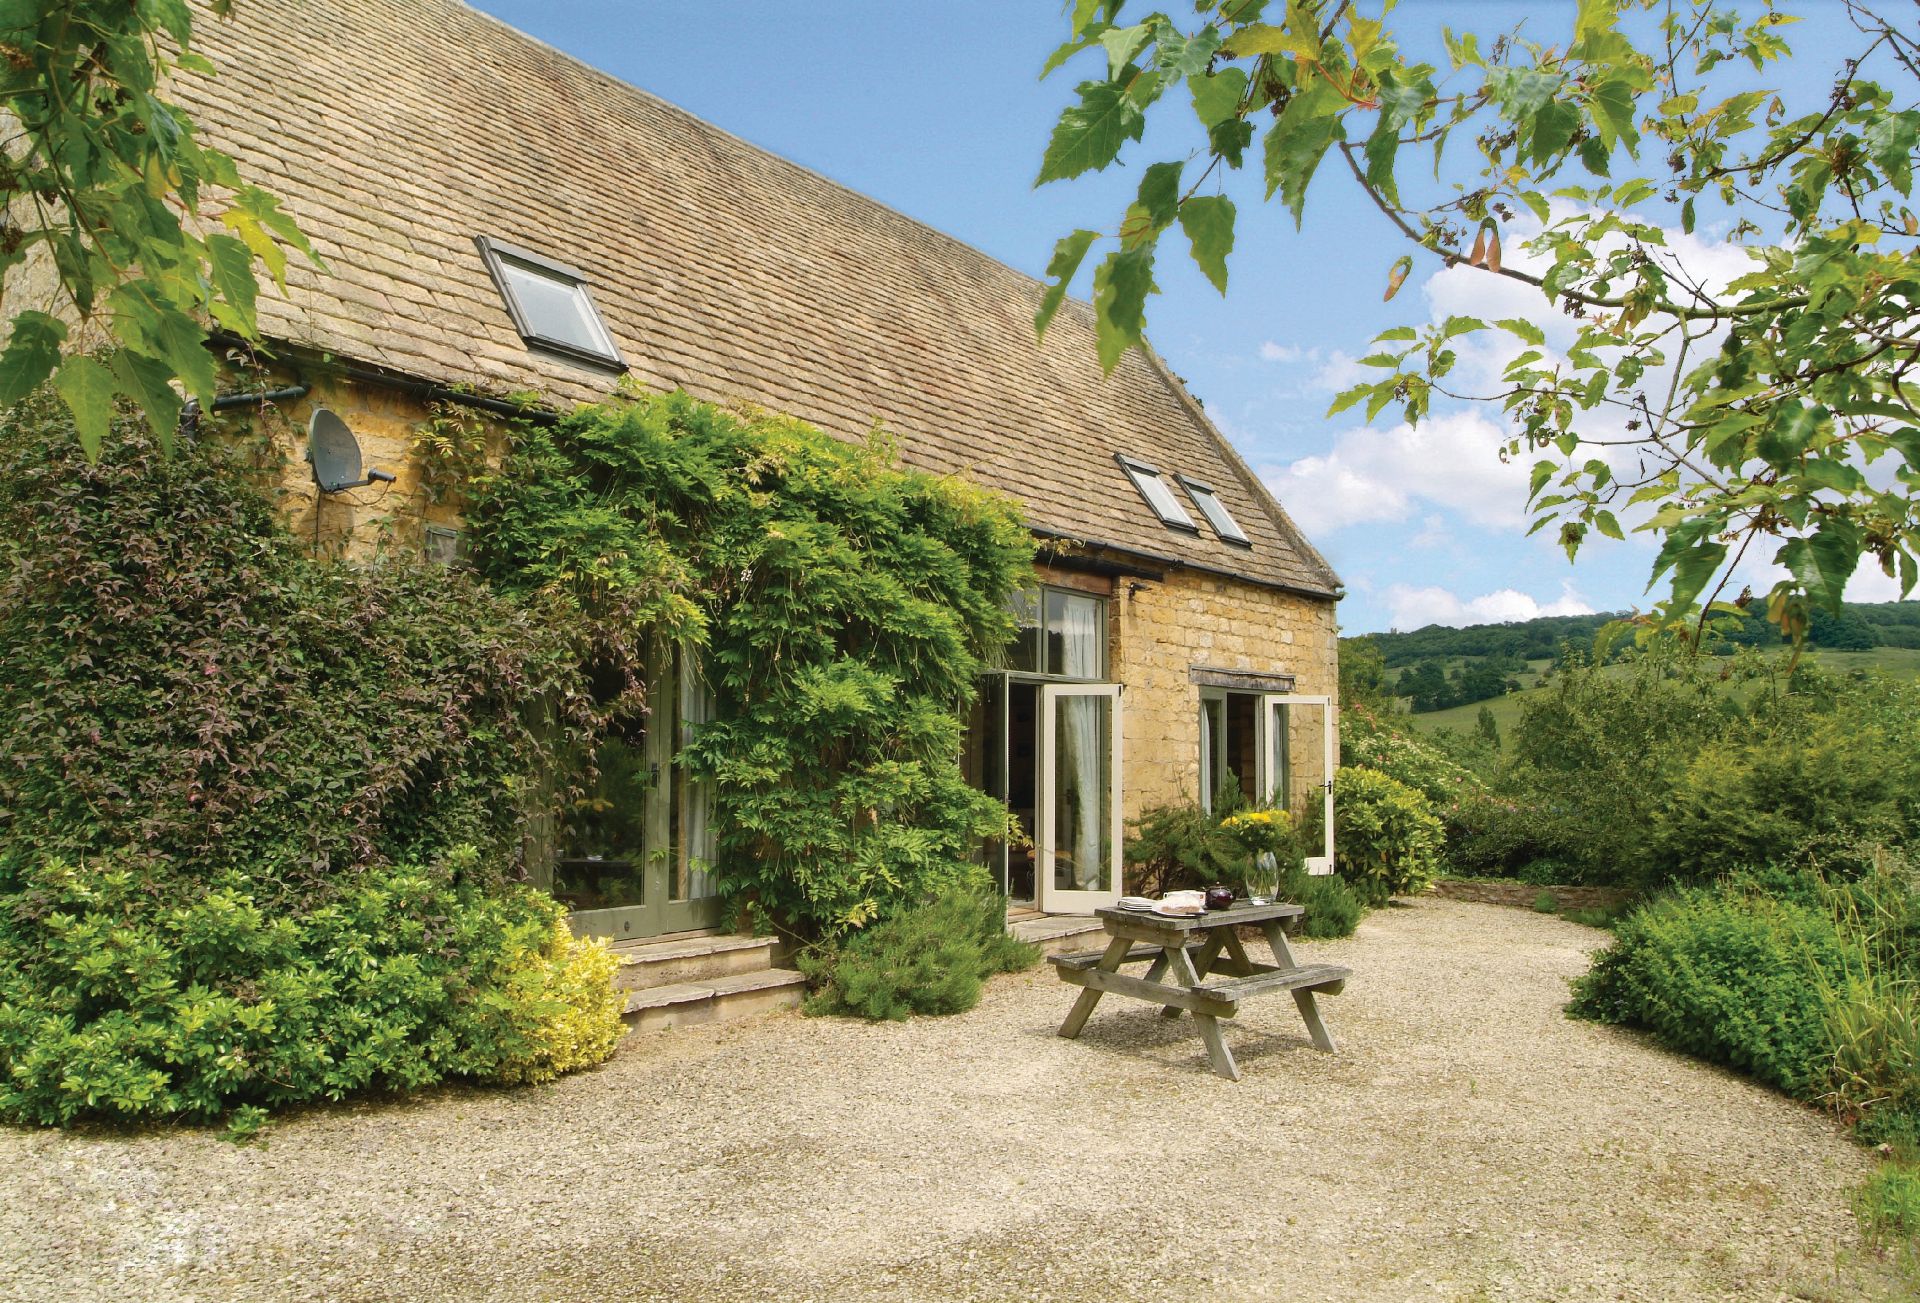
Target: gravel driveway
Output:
[{"x": 1469, "y": 1142}]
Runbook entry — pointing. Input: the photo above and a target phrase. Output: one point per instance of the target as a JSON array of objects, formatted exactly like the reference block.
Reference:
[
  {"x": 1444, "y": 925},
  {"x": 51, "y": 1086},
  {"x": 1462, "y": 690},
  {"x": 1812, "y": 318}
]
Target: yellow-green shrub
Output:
[
  {"x": 564, "y": 988},
  {"x": 1390, "y": 840},
  {"x": 131, "y": 996}
]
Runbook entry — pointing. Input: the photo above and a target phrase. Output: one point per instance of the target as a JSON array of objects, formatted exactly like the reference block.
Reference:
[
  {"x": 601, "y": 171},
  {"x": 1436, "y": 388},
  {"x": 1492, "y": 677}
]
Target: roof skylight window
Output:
[
  {"x": 1158, "y": 495},
  {"x": 550, "y": 305},
  {"x": 1216, "y": 512}
]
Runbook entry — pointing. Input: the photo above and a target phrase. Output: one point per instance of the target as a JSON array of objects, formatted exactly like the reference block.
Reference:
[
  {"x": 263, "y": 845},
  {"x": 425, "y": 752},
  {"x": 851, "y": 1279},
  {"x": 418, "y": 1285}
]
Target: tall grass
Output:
[{"x": 1873, "y": 1007}]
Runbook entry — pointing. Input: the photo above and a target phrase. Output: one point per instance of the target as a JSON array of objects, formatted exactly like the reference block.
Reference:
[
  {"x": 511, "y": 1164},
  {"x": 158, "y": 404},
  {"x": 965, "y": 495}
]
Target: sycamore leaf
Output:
[
  {"x": 1265, "y": 38},
  {"x": 1611, "y": 105},
  {"x": 33, "y": 350},
  {"x": 1066, "y": 51},
  {"x": 1120, "y": 289},
  {"x": 1592, "y": 18},
  {"x": 1090, "y": 134},
  {"x": 151, "y": 384},
  {"x": 1068, "y": 254},
  {"x": 230, "y": 265},
  {"x": 1789, "y": 432},
  {"x": 1348, "y": 398},
  {"x": 1217, "y": 98},
  {"x": 1208, "y": 222},
  {"x": 1123, "y": 44},
  {"x": 1693, "y": 569},
  {"x": 1295, "y": 145},
  {"x": 86, "y": 387},
  {"x": 1159, "y": 197}
]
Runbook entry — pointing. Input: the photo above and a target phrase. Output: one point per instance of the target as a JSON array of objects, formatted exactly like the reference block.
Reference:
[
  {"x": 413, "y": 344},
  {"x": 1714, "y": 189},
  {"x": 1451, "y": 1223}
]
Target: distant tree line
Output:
[
  {"x": 1440, "y": 667},
  {"x": 1858, "y": 627}
]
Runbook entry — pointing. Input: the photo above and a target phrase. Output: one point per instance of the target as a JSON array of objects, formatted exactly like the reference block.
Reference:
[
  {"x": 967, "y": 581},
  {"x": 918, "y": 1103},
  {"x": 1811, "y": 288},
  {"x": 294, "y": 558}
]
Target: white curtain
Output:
[{"x": 1083, "y": 757}]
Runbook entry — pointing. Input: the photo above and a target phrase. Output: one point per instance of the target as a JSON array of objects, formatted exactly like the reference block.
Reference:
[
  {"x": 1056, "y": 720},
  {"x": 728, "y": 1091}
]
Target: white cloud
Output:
[
  {"x": 1411, "y": 607},
  {"x": 1272, "y": 352},
  {"x": 1450, "y": 462},
  {"x": 1433, "y": 534},
  {"x": 1339, "y": 371}
]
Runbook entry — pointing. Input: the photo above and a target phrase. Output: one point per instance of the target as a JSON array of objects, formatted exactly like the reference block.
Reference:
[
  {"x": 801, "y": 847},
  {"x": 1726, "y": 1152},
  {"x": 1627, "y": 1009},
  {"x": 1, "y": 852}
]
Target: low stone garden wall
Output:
[{"x": 1523, "y": 895}]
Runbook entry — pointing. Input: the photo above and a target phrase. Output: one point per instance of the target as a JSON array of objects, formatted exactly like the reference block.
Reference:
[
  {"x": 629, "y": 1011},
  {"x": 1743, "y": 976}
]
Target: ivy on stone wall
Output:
[
  {"x": 260, "y": 813},
  {"x": 841, "y": 604}
]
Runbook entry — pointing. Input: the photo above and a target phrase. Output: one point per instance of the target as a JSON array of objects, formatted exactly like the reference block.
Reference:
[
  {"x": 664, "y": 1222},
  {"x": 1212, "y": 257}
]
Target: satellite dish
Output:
[{"x": 335, "y": 454}]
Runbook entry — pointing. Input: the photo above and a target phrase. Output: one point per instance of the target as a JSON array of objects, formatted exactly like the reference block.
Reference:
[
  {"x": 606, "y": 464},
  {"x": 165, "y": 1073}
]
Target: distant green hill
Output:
[
  {"x": 1859, "y": 626},
  {"x": 1903, "y": 662},
  {"x": 1439, "y": 670}
]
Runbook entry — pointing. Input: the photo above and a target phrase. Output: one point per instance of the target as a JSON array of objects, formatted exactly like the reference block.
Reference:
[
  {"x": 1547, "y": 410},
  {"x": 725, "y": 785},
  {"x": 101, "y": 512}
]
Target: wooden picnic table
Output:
[{"x": 1194, "y": 949}]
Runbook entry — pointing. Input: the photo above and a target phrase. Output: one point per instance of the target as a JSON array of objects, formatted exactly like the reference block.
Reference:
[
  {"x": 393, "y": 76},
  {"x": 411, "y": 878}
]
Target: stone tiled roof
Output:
[{"x": 396, "y": 131}]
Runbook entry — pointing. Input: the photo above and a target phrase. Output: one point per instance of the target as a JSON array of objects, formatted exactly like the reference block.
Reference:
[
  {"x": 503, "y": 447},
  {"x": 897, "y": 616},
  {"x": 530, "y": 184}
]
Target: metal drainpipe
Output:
[{"x": 190, "y": 414}]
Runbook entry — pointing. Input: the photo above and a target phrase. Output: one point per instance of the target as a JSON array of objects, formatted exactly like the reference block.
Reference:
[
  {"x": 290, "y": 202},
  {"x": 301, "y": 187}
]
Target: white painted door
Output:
[
  {"x": 1079, "y": 839},
  {"x": 1279, "y": 765}
]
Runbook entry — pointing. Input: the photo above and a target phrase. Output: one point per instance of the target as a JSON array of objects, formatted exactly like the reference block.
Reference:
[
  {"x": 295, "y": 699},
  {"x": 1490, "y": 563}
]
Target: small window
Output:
[
  {"x": 1216, "y": 512},
  {"x": 550, "y": 305},
  {"x": 1158, "y": 495},
  {"x": 1062, "y": 634}
]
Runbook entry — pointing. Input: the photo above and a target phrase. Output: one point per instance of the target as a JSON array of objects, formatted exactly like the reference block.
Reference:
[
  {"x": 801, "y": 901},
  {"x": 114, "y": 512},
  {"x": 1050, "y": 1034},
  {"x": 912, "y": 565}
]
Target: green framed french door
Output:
[{"x": 636, "y": 860}]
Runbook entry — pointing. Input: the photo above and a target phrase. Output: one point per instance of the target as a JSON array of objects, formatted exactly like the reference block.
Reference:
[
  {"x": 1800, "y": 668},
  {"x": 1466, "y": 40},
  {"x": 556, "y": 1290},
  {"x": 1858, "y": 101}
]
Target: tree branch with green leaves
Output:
[
  {"x": 1777, "y": 407},
  {"x": 125, "y": 238}
]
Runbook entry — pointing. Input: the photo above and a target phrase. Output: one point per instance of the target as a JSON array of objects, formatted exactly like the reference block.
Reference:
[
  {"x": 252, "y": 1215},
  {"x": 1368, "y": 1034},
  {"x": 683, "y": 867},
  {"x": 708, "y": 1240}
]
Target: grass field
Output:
[{"x": 1903, "y": 662}]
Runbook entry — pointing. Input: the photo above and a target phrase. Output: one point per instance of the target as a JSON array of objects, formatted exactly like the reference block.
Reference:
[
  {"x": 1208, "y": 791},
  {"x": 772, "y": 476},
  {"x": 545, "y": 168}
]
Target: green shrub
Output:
[
  {"x": 1372, "y": 741},
  {"x": 1521, "y": 835},
  {"x": 131, "y": 999},
  {"x": 1179, "y": 846},
  {"x": 1594, "y": 760},
  {"x": 841, "y": 606},
  {"x": 928, "y": 958},
  {"x": 1333, "y": 910},
  {"x": 1729, "y": 978},
  {"x": 1546, "y": 903},
  {"x": 1781, "y": 795},
  {"x": 1389, "y": 840}
]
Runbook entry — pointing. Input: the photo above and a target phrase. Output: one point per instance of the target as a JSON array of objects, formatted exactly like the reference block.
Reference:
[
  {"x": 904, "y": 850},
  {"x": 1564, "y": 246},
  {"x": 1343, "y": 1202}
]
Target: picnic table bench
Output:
[{"x": 1193, "y": 950}]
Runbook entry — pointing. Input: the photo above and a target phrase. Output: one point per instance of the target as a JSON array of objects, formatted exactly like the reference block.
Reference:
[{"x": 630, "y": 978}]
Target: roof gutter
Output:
[{"x": 362, "y": 373}]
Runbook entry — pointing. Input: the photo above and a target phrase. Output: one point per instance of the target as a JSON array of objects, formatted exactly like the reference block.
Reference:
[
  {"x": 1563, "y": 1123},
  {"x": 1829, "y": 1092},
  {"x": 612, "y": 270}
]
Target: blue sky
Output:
[{"x": 937, "y": 111}]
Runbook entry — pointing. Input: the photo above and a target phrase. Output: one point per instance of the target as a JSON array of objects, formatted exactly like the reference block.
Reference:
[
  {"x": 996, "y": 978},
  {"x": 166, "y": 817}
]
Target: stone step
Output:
[
  {"x": 721, "y": 999},
  {"x": 1057, "y": 933},
  {"x": 647, "y": 964}
]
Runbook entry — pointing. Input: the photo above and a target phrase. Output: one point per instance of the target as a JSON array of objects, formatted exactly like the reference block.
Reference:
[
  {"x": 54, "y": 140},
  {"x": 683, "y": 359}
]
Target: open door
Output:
[
  {"x": 636, "y": 858},
  {"x": 1078, "y": 847},
  {"x": 1298, "y": 761}
]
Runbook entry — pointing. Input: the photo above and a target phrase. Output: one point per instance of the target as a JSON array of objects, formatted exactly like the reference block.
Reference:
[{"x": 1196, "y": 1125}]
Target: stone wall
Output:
[
  {"x": 1165, "y": 628},
  {"x": 1499, "y": 891},
  {"x": 355, "y": 522}
]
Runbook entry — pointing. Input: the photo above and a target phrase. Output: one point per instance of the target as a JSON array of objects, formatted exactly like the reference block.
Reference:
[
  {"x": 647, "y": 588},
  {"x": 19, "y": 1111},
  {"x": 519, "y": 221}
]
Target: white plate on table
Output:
[{"x": 1136, "y": 902}]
